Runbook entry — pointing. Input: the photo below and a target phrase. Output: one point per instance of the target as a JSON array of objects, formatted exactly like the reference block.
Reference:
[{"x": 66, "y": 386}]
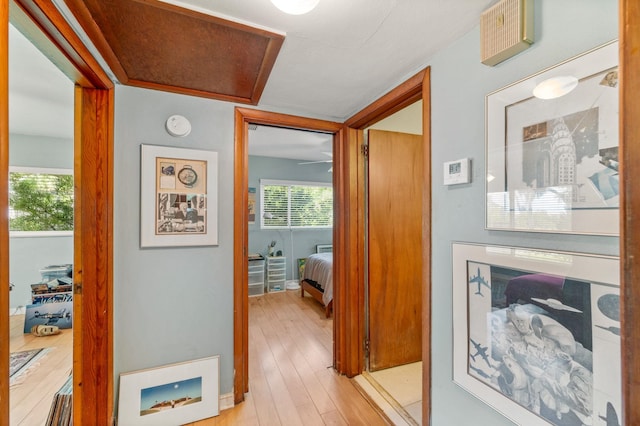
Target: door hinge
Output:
[
  {"x": 77, "y": 288},
  {"x": 366, "y": 347},
  {"x": 364, "y": 149}
]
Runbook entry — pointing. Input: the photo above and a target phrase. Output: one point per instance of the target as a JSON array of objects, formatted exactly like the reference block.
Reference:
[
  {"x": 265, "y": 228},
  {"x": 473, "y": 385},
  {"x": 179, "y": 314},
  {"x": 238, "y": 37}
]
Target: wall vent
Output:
[{"x": 506, "y": 29}]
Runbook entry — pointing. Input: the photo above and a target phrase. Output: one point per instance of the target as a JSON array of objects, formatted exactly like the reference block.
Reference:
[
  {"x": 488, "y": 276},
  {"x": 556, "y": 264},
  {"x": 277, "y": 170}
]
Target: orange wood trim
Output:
[
  {"x": 349, "y": 315},
  {"x": 4, "y": 213},
  {"x": 412, "y": 90},
  {"x": 270, "y": 57},
  {"x": 629, "y": 15},
  {"x": 426, "y": 247},
  {"x": 190, "y": 92},
  {"x": 93, "y": 262},
  {"x": 240, "y": 247},
  {"x": 400, "y": 97},
  {"x": 256, "y": 116},
  {"x": 244, "y": 116},
  {"x": 340, "y": 250},
  {"x": 78, "y": 272},
  {"x": 58, "y": 41},
  {"x": 83, "y": 16}
]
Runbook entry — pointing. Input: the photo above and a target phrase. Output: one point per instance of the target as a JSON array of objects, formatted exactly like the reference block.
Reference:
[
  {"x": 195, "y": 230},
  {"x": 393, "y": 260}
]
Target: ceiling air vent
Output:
[{"x": 506, "y": 29}]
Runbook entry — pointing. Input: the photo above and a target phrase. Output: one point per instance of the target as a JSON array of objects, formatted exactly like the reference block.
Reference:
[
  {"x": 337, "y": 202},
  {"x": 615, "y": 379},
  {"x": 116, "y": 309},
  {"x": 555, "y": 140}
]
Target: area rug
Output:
[{"x": 20, "y": 362}]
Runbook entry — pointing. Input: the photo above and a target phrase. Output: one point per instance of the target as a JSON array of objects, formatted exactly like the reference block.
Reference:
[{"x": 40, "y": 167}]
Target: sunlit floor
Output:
[
  {"x": 399, "y": 389},
  {"x": 30, "y": 398}
]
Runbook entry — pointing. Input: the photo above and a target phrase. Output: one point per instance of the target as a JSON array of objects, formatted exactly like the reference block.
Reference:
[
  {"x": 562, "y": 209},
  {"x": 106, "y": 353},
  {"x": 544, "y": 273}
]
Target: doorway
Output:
[
  {"x": 243, "y": 119},
  {"x": 290, "y": 202},
  {"x": 93, "y": 118},
  {"x": 41, "y": 246},
  {"x": 393, "y": 287},
  {"x": 348, "y": 235},
  {"x": 414, "y": 89}
]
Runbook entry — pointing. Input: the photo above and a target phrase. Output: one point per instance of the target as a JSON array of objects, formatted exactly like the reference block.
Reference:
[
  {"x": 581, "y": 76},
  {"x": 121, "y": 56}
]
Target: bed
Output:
[{"x": 317, "y": 279}]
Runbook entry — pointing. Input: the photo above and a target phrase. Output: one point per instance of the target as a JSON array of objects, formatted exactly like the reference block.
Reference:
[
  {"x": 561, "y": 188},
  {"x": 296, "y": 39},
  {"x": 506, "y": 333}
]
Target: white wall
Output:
[{"x": 459, "y": 85}]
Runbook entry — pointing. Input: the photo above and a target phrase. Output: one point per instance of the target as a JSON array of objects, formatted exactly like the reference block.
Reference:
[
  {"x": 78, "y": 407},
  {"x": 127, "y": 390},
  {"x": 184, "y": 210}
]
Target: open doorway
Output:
[
  {"x": 246, "y": 118},
  {"x": 393, "y": 285},
  {"x": 92, "y": 217},
  {"x": 41, "y": 162},
  {"x": 290, "y": 205}
]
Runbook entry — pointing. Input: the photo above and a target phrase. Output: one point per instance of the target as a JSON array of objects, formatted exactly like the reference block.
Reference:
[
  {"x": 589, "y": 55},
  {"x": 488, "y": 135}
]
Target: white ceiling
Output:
[
  {"x": 40, "y": 95},
  {"x": 335, "y": 60}
]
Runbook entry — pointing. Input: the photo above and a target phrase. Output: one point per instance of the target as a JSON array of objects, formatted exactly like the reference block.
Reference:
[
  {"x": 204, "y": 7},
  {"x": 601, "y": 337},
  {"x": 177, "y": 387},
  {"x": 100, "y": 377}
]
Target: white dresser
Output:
[
  {"x": 276, "y": 273},
  {"x": 256, "y": 277}
]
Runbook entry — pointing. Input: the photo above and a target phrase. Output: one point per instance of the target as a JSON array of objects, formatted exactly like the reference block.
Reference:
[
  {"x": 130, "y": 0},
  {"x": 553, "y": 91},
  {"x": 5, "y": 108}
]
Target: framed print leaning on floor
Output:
[
  {"x": 537, "y": 333},
  {"x": 173, "y": 394},
  {"x": 552, "y": 149},
  {"x": 178, "y": 197}
]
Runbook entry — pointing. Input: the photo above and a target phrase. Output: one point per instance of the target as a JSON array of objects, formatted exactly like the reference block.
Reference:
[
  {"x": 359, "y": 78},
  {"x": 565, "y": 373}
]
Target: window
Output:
[
  {"x": 287, "y": 204},
  {"x": 40, "y": 199}
]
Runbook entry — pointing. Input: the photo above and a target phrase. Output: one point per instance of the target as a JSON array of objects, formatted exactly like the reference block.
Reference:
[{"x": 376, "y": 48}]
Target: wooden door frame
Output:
[
  {"x": 415, "y": 88},
  {"x": 244, "y": 117},
  {"x": 43, "y": 24},
  {"x": 629, "y": 34}
]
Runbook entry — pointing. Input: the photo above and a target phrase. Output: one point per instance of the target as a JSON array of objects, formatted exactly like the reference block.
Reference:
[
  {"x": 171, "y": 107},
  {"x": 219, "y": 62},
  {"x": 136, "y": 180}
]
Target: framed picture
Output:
[
  {"x": 59, "y": 314},
  {"x": 251, "y": 201},
  {"x": 170, "y": 395},
  {"x": 179, "y": 197},
  {"x": 552, "y": 160},
  {"x": 537, "y": 333}
]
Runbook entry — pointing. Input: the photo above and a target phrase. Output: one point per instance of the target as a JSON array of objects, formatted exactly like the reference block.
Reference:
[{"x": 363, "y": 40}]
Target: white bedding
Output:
[{"x": 319, "y": 268}]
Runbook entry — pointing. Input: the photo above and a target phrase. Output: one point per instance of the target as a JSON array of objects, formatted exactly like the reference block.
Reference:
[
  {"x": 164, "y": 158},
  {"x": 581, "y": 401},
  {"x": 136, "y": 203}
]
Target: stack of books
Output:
[{"x": 61, "y": 412}]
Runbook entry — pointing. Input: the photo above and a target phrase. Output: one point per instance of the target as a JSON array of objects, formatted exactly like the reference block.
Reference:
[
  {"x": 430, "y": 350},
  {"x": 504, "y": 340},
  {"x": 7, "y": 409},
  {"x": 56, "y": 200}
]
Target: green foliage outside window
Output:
[{"x": 40, "y": 202}]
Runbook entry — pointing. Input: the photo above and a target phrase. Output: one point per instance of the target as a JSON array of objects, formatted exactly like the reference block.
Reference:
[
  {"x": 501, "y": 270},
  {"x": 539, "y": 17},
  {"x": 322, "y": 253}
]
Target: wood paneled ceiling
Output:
[{"x": 155, "y": 45}]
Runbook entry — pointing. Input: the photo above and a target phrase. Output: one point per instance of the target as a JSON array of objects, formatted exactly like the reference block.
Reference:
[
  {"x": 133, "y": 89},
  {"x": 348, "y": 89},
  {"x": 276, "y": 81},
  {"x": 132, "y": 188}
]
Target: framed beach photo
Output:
[
  {"x": 170, "y": 395},
  {"x": 552, "y": 157},
  {"x": 178, "y": 197},
  {"x": 537, "y": 333}
]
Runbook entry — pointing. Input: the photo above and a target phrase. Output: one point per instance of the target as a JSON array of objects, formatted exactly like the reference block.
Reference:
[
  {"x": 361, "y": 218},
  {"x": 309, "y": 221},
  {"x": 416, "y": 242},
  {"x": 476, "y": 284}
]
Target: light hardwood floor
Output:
[
  {"x": 30, "y": 398},
  {"x": 291, "y": 381}
]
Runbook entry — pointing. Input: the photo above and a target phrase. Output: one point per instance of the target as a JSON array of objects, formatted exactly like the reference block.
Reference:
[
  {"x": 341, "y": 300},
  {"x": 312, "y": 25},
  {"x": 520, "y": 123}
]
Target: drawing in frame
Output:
[
  {"x": 552, "y": 164},
  {"x": 179, "y": 197},
  {"x": 170, "y": 395},
  {"x": 537, "y": 333}
]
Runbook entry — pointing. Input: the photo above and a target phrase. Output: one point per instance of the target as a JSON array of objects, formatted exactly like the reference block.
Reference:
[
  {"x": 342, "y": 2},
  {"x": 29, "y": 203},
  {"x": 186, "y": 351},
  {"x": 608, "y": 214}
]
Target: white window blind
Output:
[{"x": 288, "y": 204}]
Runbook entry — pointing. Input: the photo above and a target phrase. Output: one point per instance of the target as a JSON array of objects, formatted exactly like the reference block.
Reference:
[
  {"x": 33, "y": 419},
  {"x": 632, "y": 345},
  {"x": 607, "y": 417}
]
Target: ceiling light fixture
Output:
[
  {"x": 295, "y": 7},
  {"x": 555, "y": 87}
]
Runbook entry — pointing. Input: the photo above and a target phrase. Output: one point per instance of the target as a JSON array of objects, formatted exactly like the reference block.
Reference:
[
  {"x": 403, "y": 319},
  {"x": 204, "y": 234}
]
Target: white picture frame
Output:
[
  {"x": 512, "y": 306},
  {"x": 173, "y": 394},
  {"x": 552, "y": 164},
  {"x": 178, "y": 197}
]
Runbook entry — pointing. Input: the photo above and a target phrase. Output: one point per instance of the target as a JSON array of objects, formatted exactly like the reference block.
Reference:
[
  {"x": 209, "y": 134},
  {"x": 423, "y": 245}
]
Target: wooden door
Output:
[{"x": 394, "y": 249}]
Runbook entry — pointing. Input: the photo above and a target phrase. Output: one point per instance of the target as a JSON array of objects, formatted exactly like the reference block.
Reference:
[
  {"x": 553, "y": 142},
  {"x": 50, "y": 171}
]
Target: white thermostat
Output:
[{"x": 457, "y": 172}]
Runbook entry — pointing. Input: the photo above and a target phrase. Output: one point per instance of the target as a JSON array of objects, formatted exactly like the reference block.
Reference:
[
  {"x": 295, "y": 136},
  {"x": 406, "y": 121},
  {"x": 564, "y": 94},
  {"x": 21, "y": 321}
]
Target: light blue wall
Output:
[
  {"x": 27, "y": 255},
  {"x": 303, "y": 241},
  {"x": 40, "y": 151},
  {"x": 171, "y": 304},
  {"x": 176, "y": 304},
  {"x": 459, "y": 84}
]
